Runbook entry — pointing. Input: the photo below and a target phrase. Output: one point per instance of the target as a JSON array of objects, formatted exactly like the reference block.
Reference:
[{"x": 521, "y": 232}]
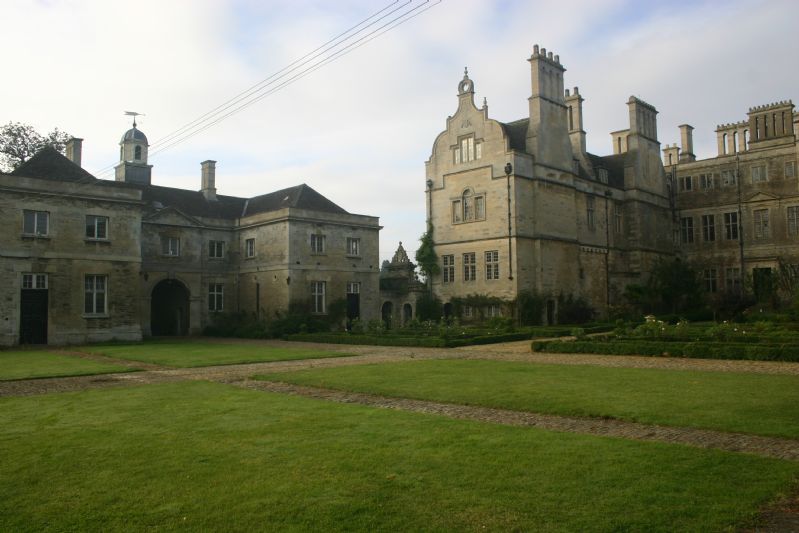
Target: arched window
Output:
[
  {"x": 724, "y": 144},
  {"x": 735, "y": 141},
  {"x": 746, "y": 139},
  {"x": 137, "y": 153}
]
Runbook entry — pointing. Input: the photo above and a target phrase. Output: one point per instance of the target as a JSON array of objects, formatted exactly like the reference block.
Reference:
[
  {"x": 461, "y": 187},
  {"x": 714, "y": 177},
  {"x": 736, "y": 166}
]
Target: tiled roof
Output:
[{"x": 614, "y": 164}]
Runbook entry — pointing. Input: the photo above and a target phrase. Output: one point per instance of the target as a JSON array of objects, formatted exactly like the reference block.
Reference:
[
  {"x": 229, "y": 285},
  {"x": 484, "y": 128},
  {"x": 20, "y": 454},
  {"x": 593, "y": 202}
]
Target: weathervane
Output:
[{"x": 133, "y": 114}]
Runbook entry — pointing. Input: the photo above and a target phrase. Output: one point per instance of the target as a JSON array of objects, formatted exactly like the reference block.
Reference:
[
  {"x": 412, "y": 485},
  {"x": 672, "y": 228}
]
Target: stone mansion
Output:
[
  {"x": 523, "y": 206},
  {"x": 86, "y": 260}
]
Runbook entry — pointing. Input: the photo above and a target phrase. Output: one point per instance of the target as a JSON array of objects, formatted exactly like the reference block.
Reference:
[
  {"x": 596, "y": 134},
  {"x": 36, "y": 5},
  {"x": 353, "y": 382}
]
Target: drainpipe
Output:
[{"x": 508, "y": 171}]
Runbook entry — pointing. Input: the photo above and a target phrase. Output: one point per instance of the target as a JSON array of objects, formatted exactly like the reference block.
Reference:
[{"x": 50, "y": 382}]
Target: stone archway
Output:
[
  {"x": 169, "y": 308},
  {"x": 385, "y": 313},
  {"x": 407, "y": 314}
]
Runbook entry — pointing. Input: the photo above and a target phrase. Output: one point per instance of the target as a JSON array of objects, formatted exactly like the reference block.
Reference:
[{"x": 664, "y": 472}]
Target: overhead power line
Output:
[{"x": 368, "y": 29}]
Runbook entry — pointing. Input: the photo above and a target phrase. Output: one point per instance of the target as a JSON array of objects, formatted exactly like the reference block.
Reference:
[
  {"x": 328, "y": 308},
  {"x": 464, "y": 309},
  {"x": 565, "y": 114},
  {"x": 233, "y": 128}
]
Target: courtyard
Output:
[{"x": 266, "y": 435}]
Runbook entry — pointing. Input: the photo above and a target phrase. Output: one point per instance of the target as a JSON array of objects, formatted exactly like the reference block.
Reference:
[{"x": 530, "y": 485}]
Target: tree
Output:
[
  {"x": 19, "y": 142},
  {"x": 426, "y": 256}
]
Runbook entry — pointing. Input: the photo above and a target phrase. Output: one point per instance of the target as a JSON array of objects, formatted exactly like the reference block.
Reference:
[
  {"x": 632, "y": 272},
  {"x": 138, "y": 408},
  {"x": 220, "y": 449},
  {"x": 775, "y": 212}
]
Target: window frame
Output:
[
  {"x": 732, "y": 279},
  {"x": 492, "y": 265},
  {"x": 792, "y": 220},
  {"x": 318, "y": 297},
  {"x": 470, "y": 206},
  {"x": 33, "y": 279},
  {"x": 249, "y": 248},
  {"x": 686, "y": 230},
  {"x": 354, "y": 246},
  {"x": 469, "y": 266},
  {"x": 90, "y": 307},
  {"x": 761, "y": 225},
  {"x": 710, "y": 277},
  {"x": 216, "y": 249},
  {"x": 167, "y": 249},
  {"x": 36, "y": 229},
  {"x": 448, "y": 268},
  {"x": 95, "y": 227},
  {"x": 216, "y": 297},
  {"x": 731, "y": 230},
  {"x": 685, "y": 183},
  {"x": 708, "y": 227},
  {"x": 317, "y": 242},
  {"x": 590, "y": 212},
  {"x": 762, "y": 168}
]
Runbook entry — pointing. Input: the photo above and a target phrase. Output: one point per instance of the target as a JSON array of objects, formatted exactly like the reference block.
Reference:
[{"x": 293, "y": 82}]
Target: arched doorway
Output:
[
  {"x": 385, "y": 313},
  {"x": 407, "y": 314},
  {"x": 169, "y": 308}
]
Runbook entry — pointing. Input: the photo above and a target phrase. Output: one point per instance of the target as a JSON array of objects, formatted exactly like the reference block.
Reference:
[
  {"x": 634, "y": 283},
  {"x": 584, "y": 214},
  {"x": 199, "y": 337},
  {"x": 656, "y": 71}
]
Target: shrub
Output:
[{"x": 428, "y": 307}]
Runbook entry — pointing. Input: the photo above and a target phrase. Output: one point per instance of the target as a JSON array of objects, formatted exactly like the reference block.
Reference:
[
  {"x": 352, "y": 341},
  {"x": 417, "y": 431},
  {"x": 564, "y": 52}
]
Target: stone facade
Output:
[
  {"x": 93, "y": 260},
  {"x": 400, "y": 290},
  {"x": 737, "y": 214},
  {"x": 522, "y": 206}
]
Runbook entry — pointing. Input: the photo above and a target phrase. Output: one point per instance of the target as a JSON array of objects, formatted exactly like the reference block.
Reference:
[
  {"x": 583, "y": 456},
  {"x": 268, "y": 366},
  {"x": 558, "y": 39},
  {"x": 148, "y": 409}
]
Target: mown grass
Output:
[
  {"x": 26, "y": 364},
  {"x": 185, "y": 354},
  {"x": 750, "y": 403},
  {"x": 197, "y": 456}
]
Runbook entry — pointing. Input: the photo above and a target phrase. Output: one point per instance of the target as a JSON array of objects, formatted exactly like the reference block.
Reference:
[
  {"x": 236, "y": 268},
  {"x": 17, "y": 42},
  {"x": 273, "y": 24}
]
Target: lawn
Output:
[
  {"x": 749, "y": 403},
  {"x": 25, "y": 364},
  {"x": 194, "y": 353},
  {"x": 202, "y": 456}
]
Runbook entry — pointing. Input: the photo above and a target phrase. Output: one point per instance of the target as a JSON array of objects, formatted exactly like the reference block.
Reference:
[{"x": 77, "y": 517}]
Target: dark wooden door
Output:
[{"x": 33, "y": 316}]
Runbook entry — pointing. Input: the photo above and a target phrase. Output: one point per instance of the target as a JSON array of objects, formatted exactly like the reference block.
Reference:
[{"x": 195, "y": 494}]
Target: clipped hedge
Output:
[
  {"x": 398, "y": 340},
  {"x": 698, "y": 350}
]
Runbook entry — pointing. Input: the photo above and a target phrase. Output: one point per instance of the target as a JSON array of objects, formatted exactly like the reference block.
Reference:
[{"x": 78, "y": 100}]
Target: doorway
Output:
[
  {"x": 385, "y": 313},
  {"x": 33, "y": 308},
  {"x": 169, "y": 308}
]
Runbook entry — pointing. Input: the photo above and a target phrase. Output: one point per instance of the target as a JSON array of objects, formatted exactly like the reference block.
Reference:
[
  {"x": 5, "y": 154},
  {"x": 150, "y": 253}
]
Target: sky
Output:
[{"x": 360, "y": 128}]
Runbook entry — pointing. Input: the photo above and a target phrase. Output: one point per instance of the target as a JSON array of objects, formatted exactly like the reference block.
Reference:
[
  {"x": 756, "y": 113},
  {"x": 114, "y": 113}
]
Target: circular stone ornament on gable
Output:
[{"x": 465, "y": 85}]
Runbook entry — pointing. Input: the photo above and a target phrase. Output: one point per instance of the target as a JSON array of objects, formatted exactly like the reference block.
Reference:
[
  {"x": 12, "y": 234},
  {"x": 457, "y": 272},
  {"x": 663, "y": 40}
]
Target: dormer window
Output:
[
  {"x": 602, "y": 174},
  {"x": 137, "y": 153},
  {"x": 467, "y": 149}
]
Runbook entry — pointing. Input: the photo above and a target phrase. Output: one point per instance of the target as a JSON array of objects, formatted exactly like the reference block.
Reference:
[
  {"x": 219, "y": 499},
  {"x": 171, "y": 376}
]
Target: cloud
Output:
[{"x": 359, "y": 129}]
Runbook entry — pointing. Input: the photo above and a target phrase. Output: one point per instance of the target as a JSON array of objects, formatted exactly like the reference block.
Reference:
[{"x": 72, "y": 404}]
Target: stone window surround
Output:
[
  {"x": 216, "y": 297},
  {"x": 353, "y": 247},
  {"x": 32, "y": 221},
  {"x": 95, "y": 223},
  {"x": 473, "y": 147},
  {"x": 318, "y": 294},
  {"x": 216, "y": 249},
  {"x": 760, "y": 221},
  {"x": 448, "y": 268},
  {"x": 317, "y": 243},
  {"x": 34, "y": 280},
  {"x": 459, "y": 204},
  {"x": 170, "y": 246},
  {"x": 249, "y": 248}
]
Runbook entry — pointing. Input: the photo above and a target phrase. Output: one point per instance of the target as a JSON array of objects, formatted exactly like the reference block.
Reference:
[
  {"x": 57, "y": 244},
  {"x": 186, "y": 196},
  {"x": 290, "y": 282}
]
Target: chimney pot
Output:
[{"x": 208, "y": 176}]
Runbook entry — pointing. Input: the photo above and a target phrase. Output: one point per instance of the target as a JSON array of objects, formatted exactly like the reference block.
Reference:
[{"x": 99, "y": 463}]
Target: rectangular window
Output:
[
  {"x": 790, "y": 169},
  {"x": 478, "y": 150},
  {"x": 711, "y": 282},
  {"x": 353, "y": 287},
  {"x": 732, "y": 279},
  {"x": 353, "y": 246},
  {"x": 318, "y": 296},
  {"x": 249, "y": 248},
  {"x": 317, "y": 244},
  {"x": 35, "y": 222},
  {"x": 456, "y": 211},
  {"x": 34, "y": 281},
  {"x": 761, "y": 224},
  {"x": 728, "y": 178},
  {"x": 96, "y": 227},
  {"x": 687, "y": 230},
  {"x": 494, "y": 310},
  {"x": 479, "y": 208},
  {"x": 793, "y": 221},
  {"x": 602, "y": 174},
  {"x": 95, "y": 294},
  {"x": 492, "y": 264},
  {"x": 759, "y": 174},
  {"x": 170, "y": 246},
  {"x": 589, "y": 211},
  {"x": 467, "y": 150},
  {"x": 469, "y": 267},
  {"x": 468, "y": 312},
  {"x": 708, "y": 228},
  {"x": 686, "y": 183},
  {"x": 216, "y": 249},
  {"x": 448, "y": 268},
  {"x": 457, "y": 155},
  {"x": 706, "y": 181},
  {"x": 216, "y": 297},
  {"x": 618, "y": 220},
  {"x": 731, "y": 226}
]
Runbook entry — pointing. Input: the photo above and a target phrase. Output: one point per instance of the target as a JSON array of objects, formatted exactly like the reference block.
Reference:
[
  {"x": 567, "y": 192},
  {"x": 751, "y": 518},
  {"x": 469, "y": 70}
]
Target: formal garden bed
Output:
[{"x": 725, "y": 340}]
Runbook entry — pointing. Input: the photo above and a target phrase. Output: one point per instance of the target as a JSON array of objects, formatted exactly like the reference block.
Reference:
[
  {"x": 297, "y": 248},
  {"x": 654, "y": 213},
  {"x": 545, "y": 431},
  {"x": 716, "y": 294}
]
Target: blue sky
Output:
[{"x": 360, "y": 129}]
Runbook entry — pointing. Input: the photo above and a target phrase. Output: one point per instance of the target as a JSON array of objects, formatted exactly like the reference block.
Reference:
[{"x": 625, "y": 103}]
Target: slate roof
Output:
[
  {"x": 517, "y": 133},
  {"x": 50, "y": 164},
  {"x": 300, "y": 197},
  {"x": 192, "y": 203}
]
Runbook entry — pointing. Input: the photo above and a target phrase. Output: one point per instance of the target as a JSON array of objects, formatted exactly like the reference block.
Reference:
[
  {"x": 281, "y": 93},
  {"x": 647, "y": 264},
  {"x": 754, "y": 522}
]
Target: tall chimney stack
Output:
[
  {"x": 687, "y": 143},
  {"x": 209, "y": 180},
  {"x": 74, "y": 150}
]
